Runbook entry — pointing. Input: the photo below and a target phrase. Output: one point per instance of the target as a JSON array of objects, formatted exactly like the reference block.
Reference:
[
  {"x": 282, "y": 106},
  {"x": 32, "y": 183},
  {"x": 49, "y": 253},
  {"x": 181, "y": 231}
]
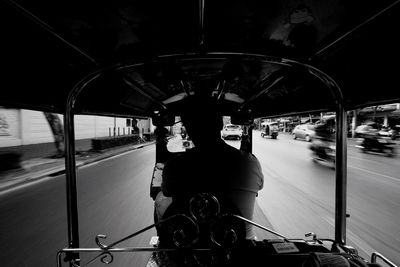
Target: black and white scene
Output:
[{"x": 200, "y": 133}]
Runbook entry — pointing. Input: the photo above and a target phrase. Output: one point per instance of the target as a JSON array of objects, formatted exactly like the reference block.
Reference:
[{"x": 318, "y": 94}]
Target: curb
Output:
[{"x": 56, "y": 171}]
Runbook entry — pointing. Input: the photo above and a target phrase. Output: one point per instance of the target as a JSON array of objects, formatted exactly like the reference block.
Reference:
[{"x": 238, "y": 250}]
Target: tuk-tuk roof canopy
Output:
[{"x": 149, "y": 55}]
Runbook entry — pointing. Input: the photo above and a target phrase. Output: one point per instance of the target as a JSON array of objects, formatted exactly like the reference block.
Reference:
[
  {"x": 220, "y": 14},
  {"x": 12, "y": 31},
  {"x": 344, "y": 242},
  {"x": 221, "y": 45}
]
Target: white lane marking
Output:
[
  {"x": 46, "y": 178},
  {"x": 357, "y": 158},
  {"x": 92, "y": 163},
  {"x": 109, "y": 158},
  {"x": 375, "y": 173},
  {"x": 19, "y": 187}
]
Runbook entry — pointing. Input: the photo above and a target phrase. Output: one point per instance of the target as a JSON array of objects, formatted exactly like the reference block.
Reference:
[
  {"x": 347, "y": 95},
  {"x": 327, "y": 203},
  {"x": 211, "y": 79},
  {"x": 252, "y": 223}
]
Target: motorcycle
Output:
[
  {"x": 323, "y": 151},
  {"x": 377, "y": 144}
]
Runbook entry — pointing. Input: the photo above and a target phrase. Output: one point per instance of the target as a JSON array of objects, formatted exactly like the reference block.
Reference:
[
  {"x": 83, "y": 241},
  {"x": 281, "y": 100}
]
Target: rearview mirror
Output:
[
  {"x": 163, "y": 119},
  {"x": 242, "y": 118}
]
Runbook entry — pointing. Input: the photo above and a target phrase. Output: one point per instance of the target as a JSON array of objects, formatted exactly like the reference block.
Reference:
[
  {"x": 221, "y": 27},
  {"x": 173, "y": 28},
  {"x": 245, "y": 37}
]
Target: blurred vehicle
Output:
[
  {"x": 304, "y": 131},
  {"x": 232, "y": 131},
  {"x": 323, "y": 143},
  {"x": 395, "y": 132},
  {"x": 385, "y": 132},
  {"x": 361, "y": 129},
  {"x": 323, "y": 151},
  {"x": 377, "y": 144},
  {"x": 373, "y": 139},
  {"x": 269, "y": 129},
  {"x": 392, "y": 133}
]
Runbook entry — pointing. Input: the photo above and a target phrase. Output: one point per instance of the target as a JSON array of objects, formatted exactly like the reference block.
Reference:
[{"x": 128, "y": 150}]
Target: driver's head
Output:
[{"x": 202, "y": 120}]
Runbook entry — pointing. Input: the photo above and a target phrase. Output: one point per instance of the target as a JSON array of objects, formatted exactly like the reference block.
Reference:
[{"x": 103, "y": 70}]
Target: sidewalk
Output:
[{"x": 34, "y": 169}]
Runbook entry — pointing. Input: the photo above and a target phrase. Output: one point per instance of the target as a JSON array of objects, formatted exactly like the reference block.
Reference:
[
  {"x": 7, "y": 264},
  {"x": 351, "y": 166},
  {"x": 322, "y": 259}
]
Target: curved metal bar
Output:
[
  {"x": 117, "y": 250},
  {"x": 260, "y": 226},
  {"x": 201, "y": 22},
  {"x": 341, "y": 157},
  {"x": 147, "y": 228},
  {"x": 59, "y": 261},
  {"x": 104, "y": 249},
  {"x": 125, "y": 249},
  {"x": 341, "y": 151},
  {"x": 262, "y": 92},
  {"x": 341, "y": 175},
  {"x": 139, "y": 88},
  {"x": 341, "y": 179},
  {"x": 49, "y": 29},
  {"x": 98, "y": 242},
  {"x": 71, "y": 188},
  {"x": 107, "y": 258},
  {"x": 376, "y": 255},
  {"x": 355, "y": 28}
]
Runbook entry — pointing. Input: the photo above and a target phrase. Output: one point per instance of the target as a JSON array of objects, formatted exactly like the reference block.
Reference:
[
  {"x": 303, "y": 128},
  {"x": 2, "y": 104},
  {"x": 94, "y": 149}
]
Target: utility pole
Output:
[{"x": 115, "y": 125}]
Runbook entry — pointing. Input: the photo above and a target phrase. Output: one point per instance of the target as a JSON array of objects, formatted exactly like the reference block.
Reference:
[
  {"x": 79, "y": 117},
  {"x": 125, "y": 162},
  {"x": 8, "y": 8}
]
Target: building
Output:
[{"x": 25, "y": 127}]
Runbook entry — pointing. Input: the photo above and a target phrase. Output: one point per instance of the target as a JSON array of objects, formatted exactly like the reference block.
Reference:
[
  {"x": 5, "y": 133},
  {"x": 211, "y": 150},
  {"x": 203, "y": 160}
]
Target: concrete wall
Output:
[
  {"x": 25, "y": 127},
  {"x": 9, "y": 127}
]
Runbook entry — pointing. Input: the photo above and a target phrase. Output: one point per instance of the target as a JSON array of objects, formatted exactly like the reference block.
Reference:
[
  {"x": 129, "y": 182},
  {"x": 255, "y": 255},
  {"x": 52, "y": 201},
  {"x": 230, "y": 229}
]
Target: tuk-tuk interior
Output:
[{"x": 134, "y": 58}]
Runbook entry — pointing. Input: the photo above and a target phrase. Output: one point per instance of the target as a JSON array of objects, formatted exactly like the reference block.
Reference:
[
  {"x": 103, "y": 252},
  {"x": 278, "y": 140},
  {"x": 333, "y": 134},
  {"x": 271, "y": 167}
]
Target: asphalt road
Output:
[
  {"x": 299, "y": 194},
  {"x": 114, "y": 200}
]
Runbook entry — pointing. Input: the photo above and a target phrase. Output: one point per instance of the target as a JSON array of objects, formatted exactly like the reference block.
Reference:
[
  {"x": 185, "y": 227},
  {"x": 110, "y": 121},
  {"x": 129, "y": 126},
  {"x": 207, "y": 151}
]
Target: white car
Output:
[
  {"x": 232, "y": 131},
  {"x": 304, "y": 131}
]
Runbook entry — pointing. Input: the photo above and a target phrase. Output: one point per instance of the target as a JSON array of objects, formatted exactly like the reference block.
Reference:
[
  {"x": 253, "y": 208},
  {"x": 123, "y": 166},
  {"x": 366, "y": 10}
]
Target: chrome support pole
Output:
[
  {"x": 201, "y": 22},
  {"x": 250, "y": 133},
  {"x": 376, "y": 255},
  {"x": 341, "y": 154},
  {"x": 72, "y": 196},
  {"x": 341, "y": 174},
  {"x": 70, "y": 168}
]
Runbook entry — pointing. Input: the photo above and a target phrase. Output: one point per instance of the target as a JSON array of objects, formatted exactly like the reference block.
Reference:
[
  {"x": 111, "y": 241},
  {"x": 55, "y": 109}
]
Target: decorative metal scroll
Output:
[
  {"x": 197, "y": 215},
  {"x": 106, "y": 251}
]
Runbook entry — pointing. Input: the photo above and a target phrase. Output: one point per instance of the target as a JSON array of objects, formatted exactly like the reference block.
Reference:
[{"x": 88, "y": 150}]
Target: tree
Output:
[{"x": 56, "y": 127}]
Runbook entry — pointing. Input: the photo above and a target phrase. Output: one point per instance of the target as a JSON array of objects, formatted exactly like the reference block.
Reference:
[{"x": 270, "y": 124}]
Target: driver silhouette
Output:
[{"x": 212, "y": 166}]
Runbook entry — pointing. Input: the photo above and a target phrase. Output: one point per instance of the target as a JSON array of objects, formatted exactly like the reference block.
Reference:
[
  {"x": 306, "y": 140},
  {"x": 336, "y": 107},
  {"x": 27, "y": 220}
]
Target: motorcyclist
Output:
[
  {"x": 212, "y": 166},
  {"x": 370, "y": 135},
  {"x": 322, "y": 145},
  {"x": 325, "y": 130}
]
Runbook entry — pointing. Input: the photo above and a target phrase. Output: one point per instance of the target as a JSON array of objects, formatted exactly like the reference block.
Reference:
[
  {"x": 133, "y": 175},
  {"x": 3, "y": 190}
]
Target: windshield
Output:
[{"x": 232, "y": 127}]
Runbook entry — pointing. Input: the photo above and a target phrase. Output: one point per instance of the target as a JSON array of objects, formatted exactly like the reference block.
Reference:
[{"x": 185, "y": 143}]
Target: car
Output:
[
  {"x": 232, "y": 131},
  {"x": 304, "y": 131},
  {"x": 385, "y": 132},
  {"x": 395, "y": 132},
  {"x": 361, "y": 129},
  {"x": 391, "y": 132}
]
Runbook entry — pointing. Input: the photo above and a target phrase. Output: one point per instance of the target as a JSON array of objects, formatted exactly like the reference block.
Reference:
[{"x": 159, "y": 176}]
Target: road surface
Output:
[
  {"x": 299, "y": 194},
  {"x": 298, "y": 197}
]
